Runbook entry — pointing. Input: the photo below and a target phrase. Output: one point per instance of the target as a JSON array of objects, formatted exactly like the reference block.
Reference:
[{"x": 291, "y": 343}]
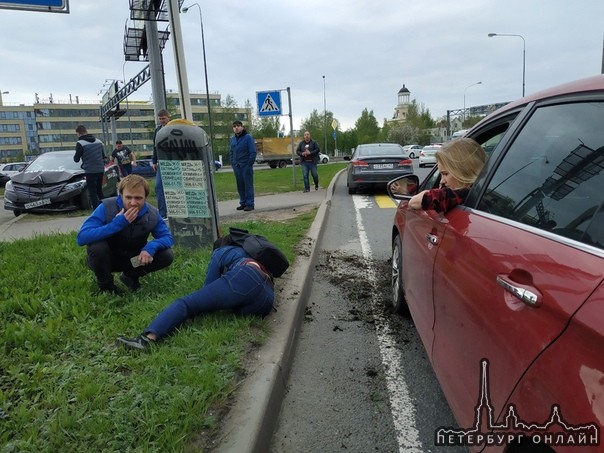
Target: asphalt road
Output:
[{"x": 361, "y": 380}]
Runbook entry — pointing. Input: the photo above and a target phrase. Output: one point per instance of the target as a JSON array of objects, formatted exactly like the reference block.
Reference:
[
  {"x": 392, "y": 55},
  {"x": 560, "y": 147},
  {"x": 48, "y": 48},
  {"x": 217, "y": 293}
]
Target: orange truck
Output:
[{"x": 276, "y": 152}]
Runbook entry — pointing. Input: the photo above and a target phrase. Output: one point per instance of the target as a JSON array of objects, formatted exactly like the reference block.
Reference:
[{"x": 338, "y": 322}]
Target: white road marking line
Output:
[{"x": 401, "y": 405}]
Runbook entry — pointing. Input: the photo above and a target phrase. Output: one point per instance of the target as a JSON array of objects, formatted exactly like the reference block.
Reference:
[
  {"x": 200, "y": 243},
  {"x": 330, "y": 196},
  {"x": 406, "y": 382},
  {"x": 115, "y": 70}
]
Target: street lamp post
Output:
[
  {"x": 128, "y": 106},
  {"x": 205, "y": 69},
  {"x": 464, "y": 100},
  {"x": 324, "y": 116},
  {"x": 1, "y": 93},
  {"x": 490, "y": 35}
]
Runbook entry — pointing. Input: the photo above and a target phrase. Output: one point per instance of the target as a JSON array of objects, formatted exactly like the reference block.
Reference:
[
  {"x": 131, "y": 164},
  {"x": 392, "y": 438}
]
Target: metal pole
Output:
[
  {"x": 205, "y": 69},
  {"x": 179, "y": 57},
  {"x": 156, "y": 67},
  {"x": 128, "y": 106},
  {"x": 464, "y": 101},
  {"x": 491, "y": 35},
  {"x": 324, "y": 116},
  {"x": 291, "y": 133}
]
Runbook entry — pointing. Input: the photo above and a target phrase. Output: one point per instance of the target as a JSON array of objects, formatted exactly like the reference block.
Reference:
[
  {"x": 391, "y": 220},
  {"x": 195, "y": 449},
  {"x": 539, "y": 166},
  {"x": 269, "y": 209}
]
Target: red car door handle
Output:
[
  {"x": 526, "y": 294},
  {"x": 432, "y": 239}
]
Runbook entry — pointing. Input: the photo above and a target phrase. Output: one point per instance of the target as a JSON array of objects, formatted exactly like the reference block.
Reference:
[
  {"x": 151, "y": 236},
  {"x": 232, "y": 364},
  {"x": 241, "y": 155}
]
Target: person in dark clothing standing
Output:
[
  {"x": 308, "y": 150},
  {"x": 90, "y": 150},
  {"x": 125, "y": 158},
  {"x": 116, "y": 237},
  {"x": 163, "y": 117},
  {"x": 243, "y": 156}
]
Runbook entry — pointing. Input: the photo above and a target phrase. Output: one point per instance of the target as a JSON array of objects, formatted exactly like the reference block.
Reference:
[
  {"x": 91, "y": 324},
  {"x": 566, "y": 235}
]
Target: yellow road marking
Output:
[{"x": 384, "y": 201}]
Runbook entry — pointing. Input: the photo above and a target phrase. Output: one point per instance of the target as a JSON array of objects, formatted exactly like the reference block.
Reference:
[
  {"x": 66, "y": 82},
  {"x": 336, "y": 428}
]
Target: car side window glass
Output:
[
  {"x": 551, "y": 176},
  {"x": 488, "y": 141}
]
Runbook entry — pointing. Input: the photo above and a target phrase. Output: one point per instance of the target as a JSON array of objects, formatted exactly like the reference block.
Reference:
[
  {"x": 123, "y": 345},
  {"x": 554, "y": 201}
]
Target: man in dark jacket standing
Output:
[
  {"x": 243, "y": 156},
  {"x": 90, "y": 150},
  {"x": 116, "y": 237},
  {"x": 308, "y": 150}
]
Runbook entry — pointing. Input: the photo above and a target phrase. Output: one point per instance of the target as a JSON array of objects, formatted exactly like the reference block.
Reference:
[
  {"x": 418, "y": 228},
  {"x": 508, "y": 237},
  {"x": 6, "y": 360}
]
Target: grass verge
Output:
[{"x": 65, "y": 385}]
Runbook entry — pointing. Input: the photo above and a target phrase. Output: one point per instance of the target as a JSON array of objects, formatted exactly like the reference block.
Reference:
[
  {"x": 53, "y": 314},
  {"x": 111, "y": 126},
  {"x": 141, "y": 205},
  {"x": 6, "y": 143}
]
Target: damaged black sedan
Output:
[{"x": 54, "y": 183}]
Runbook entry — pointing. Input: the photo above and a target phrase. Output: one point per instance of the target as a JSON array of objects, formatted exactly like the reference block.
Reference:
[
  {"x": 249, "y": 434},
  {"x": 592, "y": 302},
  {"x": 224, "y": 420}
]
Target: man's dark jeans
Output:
[
  {"x": 102, "y": 260},
  {"x": 94, "y": 185}
]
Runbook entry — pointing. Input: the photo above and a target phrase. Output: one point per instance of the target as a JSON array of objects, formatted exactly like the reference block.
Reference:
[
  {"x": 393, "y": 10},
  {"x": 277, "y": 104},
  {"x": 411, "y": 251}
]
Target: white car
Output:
[
  {"x": 427, "y": 155},
  {"x": 323, "y": 158},
  {"x": 412, "y": 150},
  {"x": 12, "y": 168}
]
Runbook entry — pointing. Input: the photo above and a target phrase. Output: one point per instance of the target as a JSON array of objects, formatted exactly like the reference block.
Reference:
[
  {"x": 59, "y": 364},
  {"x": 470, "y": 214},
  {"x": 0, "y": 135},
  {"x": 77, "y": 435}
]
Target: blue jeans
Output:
[
  {"x": 94, "y": 185},
  {"x": 243, "y": 289},
  {"x": 159, "y": 193},
  {"x": 312, "y": 167},
  {"x": 244, "y": 176}
]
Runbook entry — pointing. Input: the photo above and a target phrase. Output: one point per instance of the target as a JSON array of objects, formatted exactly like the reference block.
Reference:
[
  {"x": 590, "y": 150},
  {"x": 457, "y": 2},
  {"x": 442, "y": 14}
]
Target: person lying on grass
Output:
[{"x": 234, "y": 281}]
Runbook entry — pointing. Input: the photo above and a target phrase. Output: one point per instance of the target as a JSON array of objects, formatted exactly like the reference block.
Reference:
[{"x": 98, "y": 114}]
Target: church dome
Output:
[{"x": 403, "y": 90}]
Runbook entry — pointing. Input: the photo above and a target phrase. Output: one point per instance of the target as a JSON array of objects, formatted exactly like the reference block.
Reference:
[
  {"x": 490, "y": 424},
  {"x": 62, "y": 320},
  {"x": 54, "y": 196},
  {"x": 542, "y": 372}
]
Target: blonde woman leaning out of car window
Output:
[{"x": 459, "y": 163}]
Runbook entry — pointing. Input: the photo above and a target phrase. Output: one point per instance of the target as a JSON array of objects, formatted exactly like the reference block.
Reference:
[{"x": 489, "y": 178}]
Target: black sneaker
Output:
[
  {"x": 306, "y": 190},
  {"x": 141, "y": 342},
  {"x": 248, "y": 208},
  {"x": 131, "y": 282},
  {"x": 241, "y": 207},
  {"x": 316, "y": 187}
]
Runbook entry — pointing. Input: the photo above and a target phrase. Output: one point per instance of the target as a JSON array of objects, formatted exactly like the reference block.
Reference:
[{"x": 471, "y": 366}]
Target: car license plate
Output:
[
  {"x": 382, "y": 166},
  {"x": 35, "y": 204}
]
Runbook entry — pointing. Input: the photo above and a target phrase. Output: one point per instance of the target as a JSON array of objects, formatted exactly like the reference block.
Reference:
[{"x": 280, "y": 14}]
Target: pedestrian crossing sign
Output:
[{"x": 269, "y": 103}]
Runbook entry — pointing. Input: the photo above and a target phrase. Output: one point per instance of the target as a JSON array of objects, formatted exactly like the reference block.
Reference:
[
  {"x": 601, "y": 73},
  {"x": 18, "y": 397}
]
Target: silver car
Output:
[{"x": 427, "y": 156}]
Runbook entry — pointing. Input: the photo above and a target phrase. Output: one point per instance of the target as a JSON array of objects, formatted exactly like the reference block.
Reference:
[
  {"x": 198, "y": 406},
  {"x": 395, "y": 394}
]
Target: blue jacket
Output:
[
  {"x": 126, "y": 236},
  {"x": 90, "y": 150},
  {"x": 243, "y": 150},
  {"x": 223, "y": 258}
]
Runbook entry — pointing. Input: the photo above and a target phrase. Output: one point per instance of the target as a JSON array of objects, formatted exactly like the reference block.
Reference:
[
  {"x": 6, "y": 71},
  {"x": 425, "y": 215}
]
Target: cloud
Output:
[{"x": 366, "y": 49}]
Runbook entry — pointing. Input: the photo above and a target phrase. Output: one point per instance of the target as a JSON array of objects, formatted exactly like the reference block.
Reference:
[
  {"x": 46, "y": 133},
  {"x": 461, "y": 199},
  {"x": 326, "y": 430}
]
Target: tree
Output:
[
  {"x": 223, "y": 126},
  {"x": 347, "y": 140},
  {"x": 419, "y": 116},
  {"x": 367, "y": 128},
  {"x": 266, "y": 126},
  {"x": 384, "y": 135},
  {"x": 404, "y": 134}
]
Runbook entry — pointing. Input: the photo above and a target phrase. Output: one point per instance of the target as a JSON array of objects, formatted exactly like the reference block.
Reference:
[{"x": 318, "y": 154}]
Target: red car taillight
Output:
[
  {"x": 421, "y": 154},
  {"x": 405, "y": 163},
  {"x": 359, "y": 163}
]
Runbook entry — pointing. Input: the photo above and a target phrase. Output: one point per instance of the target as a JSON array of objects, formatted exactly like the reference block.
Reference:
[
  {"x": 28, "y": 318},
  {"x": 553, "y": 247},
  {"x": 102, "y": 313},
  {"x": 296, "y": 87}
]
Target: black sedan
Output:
[
  {"x": 54, "y": 183},
  {"x": 375, "y": 164}
]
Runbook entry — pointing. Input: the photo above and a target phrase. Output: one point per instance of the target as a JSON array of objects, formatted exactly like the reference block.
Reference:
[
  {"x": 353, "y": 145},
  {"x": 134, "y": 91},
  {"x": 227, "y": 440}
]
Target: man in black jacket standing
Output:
[
  {"x": 90, "y": 150},
  {"x": 308, "y": 150}
]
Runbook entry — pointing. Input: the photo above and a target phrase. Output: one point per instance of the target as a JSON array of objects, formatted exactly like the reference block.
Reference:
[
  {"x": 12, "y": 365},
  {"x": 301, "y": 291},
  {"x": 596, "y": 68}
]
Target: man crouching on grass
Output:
[{"x": 116, "y": 237}]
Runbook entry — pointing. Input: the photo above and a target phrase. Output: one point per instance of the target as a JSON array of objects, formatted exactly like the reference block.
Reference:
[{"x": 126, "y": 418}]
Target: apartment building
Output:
[{"x": 49, "y": 125}]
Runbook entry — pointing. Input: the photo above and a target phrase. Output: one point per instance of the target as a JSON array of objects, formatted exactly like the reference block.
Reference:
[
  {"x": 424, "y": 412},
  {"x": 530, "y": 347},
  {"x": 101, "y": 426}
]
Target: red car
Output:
[{"x": 505, "y": 290}]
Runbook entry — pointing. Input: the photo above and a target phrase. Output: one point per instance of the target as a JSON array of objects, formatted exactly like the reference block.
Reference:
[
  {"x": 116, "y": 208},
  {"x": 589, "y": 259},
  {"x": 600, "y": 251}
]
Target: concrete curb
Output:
[{"x": 250, "y": 423}]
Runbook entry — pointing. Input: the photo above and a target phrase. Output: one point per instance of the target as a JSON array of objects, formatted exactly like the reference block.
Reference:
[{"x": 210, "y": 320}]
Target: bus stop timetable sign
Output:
[{"x": 48, "y": 6}]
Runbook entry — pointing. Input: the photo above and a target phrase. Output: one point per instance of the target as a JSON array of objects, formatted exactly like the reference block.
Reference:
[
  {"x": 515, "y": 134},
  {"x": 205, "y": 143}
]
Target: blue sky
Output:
[{"x": 367, "y": 50}]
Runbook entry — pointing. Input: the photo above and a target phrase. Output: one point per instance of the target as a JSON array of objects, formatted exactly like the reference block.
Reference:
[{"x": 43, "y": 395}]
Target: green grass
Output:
[
  {"x": 274, "y": 180},
  {"x": 64, "y": 384}
]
